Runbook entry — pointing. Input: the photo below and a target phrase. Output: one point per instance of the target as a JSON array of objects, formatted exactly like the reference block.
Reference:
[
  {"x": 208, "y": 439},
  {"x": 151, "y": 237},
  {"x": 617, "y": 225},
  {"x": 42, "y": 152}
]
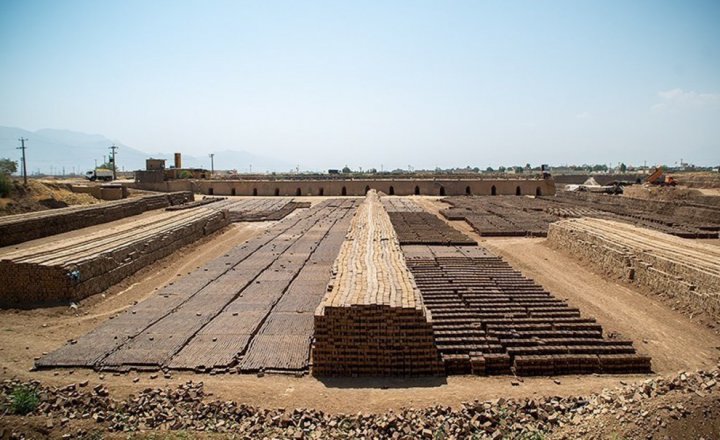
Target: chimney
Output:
[{"x": 178, "y": 160}]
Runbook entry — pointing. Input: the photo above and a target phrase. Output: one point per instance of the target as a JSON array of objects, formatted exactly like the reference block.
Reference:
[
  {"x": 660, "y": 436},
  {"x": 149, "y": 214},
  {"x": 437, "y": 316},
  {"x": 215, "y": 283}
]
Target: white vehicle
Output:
[{"x": 99, "y": 174}]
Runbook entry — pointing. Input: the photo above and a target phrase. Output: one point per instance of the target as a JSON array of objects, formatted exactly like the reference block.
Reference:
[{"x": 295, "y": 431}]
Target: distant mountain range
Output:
[{"x": 51, "y": 151}]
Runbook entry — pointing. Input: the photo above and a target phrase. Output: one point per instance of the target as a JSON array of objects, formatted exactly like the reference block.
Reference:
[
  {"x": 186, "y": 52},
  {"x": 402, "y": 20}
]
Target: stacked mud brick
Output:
[
  {"x": 24, "y": 227},
  {"x": 688, "y": 272},
  {"x": 202, "y": 202},
  {"x": 74, "y": 268},
  {"x": 489, "y": 319},
  {"x": 413, "y": 225},
  {"x": 682, "y": 218},
  {"x": 259, "y": 210},
  {"x": 501, "y": 215},
  {"x": 372, "y": 320},
  {"x": 248, "y": 310}
]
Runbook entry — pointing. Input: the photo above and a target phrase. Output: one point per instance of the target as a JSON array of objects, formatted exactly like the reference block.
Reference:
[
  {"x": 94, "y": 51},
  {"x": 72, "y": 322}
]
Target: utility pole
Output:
[
  {"x": 112, "y": 152},
  {"x": 22, "y": 147},
  {"x": 212, "y": 164}
]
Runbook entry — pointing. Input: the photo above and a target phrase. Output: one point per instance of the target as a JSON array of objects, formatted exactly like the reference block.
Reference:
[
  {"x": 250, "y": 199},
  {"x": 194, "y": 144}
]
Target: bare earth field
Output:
[{"x": 674, "y": 342}]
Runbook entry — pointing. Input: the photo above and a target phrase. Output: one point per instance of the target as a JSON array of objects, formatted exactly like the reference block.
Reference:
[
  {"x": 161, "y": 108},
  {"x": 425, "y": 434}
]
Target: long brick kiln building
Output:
[{"x": 357, "y": 187}]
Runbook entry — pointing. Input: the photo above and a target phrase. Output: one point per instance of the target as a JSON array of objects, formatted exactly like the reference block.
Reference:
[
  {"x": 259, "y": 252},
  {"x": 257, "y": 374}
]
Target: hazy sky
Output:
[{"x": 365, "y": 83}]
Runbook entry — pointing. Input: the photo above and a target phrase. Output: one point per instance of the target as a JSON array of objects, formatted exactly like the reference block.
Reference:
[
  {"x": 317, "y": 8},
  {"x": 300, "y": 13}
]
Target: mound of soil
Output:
[
  {"x": 39, "y": 196},
  {"x": 660, "y": 192}
]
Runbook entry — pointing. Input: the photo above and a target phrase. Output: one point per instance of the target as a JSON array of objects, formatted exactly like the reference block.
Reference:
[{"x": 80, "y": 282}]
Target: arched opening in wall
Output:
[
  {"x": 638, "y": 181},
  {"x": 442, "y": 190},
  {"x": 468, "y": 191},
  {"x": 367, "y": 189},
  {"x": 233, "y": 192},
  {"x": 254, "y": 191},
  {"x": 277, "y": 191},
  {"x": 493, "y": 191},
  {"x": 517, "y": 191},
  {"x": 417, "y": 190},
  {"x": 210, "y": 191},
  {"x": 538, "y": 191},
  {"x": 391, "y": 191},
  {"x": 344, "y": 191},
  {"x": 321, "y": 192},
  {"x": 298, "y": 192}
]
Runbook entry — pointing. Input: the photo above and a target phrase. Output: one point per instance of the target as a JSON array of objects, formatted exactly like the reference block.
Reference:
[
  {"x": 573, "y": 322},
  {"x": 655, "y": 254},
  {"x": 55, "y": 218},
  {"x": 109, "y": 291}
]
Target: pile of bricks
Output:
[
  {"x": 489, "y": 319},
  {"x": 24, "y": 227},
  {"x": 74, "y": 268},
  {"x": 685, "y": 272},
  {"x": 372, "y": 320}
]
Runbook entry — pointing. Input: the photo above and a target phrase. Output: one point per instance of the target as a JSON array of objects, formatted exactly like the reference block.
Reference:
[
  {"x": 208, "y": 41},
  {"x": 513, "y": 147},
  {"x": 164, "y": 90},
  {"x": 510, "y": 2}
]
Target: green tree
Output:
[
  {"x": 346, "y": 170},
  {"x": 7, "y": 166},
  {"x": 502, "y": 169},
  {"x": 489, "y": 169},
  {"x": 623, "y": 167}
]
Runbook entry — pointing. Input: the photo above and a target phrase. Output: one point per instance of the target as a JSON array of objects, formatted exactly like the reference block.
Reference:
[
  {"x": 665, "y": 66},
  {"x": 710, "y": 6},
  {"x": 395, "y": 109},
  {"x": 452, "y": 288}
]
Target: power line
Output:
[
  {"x": 24, "y": 163},
  {"x": 113, "y": 148}
]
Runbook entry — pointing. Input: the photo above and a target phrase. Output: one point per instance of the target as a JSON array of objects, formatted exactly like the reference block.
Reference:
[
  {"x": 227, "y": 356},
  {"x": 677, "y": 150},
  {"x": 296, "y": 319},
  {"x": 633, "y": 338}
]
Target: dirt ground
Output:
[
  {"x": 40, "y": 196},
  {"x": 675, "y": 342}
]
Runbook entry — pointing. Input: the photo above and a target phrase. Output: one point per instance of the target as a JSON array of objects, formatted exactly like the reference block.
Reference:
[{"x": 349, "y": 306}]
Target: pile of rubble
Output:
[{"x": 187, "y": 407}]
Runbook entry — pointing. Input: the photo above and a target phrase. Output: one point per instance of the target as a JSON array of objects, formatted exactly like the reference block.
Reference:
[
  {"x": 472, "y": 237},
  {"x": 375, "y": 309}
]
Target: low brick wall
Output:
[
  {"x": 74, "y": 269},
  {"x": 24, "y": 227},
  {"x": 685, "y": 271}
]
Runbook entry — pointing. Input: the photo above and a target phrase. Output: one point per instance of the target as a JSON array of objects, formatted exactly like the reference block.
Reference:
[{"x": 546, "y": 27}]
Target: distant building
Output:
[{"x": 155, "y": 164}]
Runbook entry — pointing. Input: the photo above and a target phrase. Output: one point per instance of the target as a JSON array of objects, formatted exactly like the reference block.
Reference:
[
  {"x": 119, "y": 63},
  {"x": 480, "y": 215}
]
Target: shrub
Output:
[
  {"x": 5, "y": 185},
  {"x": 24, "y": 400}
]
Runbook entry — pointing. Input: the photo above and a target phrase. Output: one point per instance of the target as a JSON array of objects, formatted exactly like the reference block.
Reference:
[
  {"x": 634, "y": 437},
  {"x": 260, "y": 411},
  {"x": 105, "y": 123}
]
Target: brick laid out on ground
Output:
[
  {"x": 77, "y": 267},
  {"x": 501, "y": 215},
  {"x": 207, "y": 319},
  {"x": 686, "y": 271},
  {"x": 682, "y": 218},
  {"x": 24, "y": 227},
  {"x": 264, "y": 336},
  {"x": 372, "y": 320},
  {"x": 260, "y": 209},
  {"x": 413, "y": 225},
  {"x": 527, "y": 216},
  {"x": 489, "y": 319}
]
